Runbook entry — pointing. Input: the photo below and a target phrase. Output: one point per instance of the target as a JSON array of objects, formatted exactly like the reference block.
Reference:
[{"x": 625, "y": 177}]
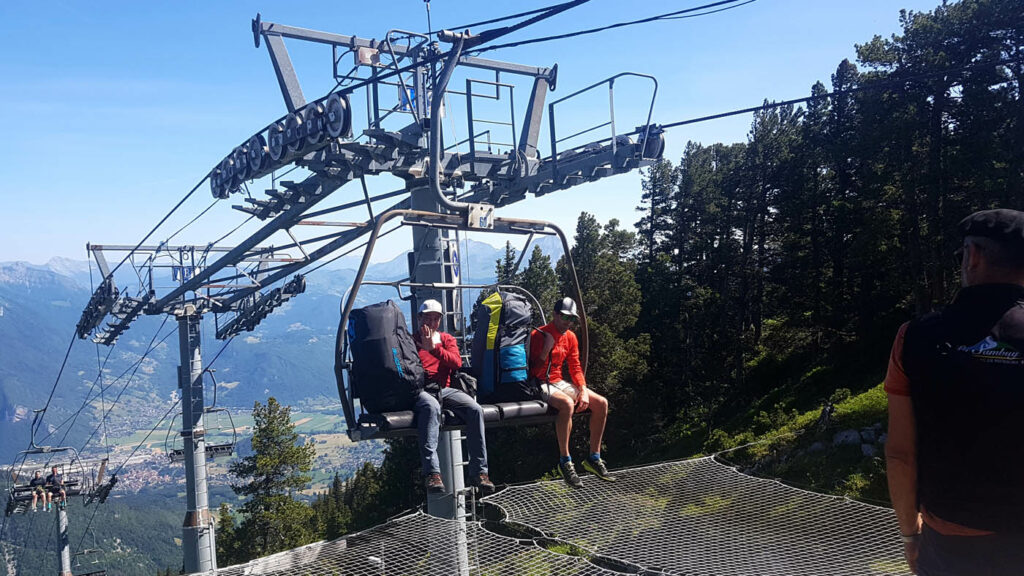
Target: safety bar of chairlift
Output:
[
  {"x": 502, "y": 225},
  {"x": 611, "y": 109}
]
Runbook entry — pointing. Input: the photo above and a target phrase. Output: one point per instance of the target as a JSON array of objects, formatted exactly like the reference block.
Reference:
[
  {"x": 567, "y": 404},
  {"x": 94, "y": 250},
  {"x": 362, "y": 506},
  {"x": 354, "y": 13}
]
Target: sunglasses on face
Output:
[{"x": 567, "y": 317}]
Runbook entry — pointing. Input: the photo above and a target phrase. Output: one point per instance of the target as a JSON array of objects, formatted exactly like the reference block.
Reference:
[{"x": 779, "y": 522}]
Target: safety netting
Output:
[
  {"x": 420, "y": 545},
  {"x": 701, "y": 517},
  {"x": 695, "y": 517}
]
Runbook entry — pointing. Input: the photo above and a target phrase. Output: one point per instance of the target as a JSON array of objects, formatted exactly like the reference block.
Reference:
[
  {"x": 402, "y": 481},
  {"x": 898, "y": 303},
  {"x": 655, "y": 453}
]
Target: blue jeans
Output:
[
  {"x": 428, "y": 425},
  {"x": 996, "y": 555}
]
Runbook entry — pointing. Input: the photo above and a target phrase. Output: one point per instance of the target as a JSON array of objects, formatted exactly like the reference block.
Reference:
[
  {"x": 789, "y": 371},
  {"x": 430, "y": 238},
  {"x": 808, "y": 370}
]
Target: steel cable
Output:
[{"x": 675, "y": 15}]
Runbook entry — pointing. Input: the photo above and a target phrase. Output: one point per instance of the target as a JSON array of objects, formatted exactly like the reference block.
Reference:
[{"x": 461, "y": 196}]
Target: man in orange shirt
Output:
[
  {"x": 955, "y": 383},
  {"x": 551, "y": 346}
]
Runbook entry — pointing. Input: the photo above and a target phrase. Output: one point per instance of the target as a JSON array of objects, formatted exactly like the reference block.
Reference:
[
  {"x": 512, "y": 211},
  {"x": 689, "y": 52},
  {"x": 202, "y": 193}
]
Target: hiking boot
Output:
[
  {"x": 569, "y": 474},
  {"x": 484, "y": 484},
  {"x": 434, "y": 483},
  {"x": 597, "y": 468}
]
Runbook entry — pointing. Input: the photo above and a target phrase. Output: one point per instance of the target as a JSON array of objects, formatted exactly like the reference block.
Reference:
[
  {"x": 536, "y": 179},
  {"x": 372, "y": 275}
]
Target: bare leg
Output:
[
  {"x": 598, "y": 417},
  {"x": 563, "y": 424}
]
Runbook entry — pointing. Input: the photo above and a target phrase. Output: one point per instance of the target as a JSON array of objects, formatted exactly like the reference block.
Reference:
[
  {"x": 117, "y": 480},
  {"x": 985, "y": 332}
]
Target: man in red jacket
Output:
[
  {"x": 439, "y": 354},
  {"x": 551, "y": 346}
]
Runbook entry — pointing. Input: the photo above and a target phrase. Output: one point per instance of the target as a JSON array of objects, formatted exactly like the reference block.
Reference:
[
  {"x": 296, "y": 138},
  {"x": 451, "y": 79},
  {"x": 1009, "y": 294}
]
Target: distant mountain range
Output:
[{"x": 289, "y": 356}]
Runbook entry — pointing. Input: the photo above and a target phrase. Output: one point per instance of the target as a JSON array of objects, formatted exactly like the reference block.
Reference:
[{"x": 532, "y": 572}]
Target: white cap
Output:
[{"x": 431, "y": 306}]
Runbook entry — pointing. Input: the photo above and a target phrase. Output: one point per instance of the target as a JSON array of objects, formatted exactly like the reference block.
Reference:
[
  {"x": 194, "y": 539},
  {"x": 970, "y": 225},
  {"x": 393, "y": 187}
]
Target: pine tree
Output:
[
  {"x": 505, "y": 267},
  {"x": 273, "y": 519},
  {"x": 658, "y": 185},
  {"x": 227, "y": 544},
  {"x": 539, "y": 279}
]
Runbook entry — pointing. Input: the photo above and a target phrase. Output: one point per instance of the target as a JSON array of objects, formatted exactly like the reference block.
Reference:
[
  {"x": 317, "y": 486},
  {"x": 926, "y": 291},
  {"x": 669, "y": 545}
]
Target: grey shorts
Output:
[{"x": 546, "y": 390}]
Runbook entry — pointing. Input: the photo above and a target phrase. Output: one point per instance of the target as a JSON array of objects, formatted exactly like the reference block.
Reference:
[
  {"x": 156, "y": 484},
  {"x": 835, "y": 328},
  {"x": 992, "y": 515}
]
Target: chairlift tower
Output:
[{"x": 235, "y": 284}]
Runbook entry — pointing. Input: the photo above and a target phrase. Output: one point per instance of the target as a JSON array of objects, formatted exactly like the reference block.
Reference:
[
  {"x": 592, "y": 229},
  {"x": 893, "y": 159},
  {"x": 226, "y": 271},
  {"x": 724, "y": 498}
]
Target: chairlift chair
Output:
[
  {"x": 94, "y": 553},
  {"x": 363, "y": 425},
  {"x": 174, "y": 447},
  {"x": 43, "y": 459}
]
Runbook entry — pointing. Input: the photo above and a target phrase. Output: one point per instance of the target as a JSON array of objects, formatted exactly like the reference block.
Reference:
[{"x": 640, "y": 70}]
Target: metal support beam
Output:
[
  {"x": 313, "y": 190},
  {"x": 531, "y": 122},
  {"x": 198, "y": 536},
  {"x": 286, "y": 76},
  {"x": 270, "y": 30},
  {"x": 342, "y": 240}
]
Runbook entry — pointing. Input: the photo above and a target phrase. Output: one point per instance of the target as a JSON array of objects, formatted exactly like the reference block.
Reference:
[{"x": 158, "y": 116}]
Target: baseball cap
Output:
[
  {"x": 566, "y": 306},
  {"x": 1002, "y": 225},
  {"x": 431, "y": 306}
]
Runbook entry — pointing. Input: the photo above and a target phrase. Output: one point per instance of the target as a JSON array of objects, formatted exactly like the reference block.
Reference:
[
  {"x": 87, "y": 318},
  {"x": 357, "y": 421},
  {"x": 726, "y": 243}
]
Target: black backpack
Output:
[
  {"x": 500, "y": 347},
  {"x": 386, "y": 372}
]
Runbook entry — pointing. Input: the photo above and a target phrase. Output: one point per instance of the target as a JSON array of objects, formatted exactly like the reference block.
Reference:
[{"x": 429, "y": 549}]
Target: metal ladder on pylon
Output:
[
  {"x": 469, "y": 493},
  {"x": 455, "y": 320}
]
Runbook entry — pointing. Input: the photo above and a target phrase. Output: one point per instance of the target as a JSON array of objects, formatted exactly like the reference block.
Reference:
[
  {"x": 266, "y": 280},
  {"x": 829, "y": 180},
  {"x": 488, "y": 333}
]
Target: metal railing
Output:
[{"x": 645, "y": 129}]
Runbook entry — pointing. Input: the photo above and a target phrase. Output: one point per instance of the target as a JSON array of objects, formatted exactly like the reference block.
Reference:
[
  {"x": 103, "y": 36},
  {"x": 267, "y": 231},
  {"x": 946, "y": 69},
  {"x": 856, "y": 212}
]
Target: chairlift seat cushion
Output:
[
  {"x": 387, "y": 421},
  {"x": 524, "y": 409},
  {"x": 450, "y": 419},
  {"x": 491, "y": 413}
]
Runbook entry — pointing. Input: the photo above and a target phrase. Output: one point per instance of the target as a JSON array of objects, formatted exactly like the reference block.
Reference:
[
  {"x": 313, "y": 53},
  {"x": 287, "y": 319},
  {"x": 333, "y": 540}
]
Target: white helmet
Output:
[{"x": 431, "y": 306}]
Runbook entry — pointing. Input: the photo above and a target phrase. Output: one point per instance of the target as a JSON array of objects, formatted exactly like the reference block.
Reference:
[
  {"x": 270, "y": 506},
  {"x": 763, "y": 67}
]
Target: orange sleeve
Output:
[
  {"x": 575, "y": 368},
  {"x": 896, "y": 381},
  {"x": 535, "y": 362}
]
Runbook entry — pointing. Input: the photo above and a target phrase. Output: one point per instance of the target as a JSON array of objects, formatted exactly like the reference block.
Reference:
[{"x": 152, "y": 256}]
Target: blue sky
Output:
[{"x": 112, "y": 111}]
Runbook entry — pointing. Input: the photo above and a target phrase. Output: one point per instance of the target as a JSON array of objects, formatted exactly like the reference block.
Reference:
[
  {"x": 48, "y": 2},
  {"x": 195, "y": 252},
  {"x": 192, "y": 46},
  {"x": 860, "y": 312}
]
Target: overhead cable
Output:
[
  {"x": 143, "y": 441},
  {"x": 38, "y": 424},
  {"x": 675, "y": 15},
  {"x": 74, "y": 417},
  {"x": 127, "y": 382},
  {"x": 103, "y": 389},
  {"x": 159, "y": 224},
  {"x": 191, "y": 222},
  {"x": 868, "y": 86},
  {"x": 509, "y": 17}
]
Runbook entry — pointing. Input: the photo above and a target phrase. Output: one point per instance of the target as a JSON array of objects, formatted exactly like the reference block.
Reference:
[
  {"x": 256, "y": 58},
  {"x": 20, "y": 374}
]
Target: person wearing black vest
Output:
[{"x": 954, "y": 454}]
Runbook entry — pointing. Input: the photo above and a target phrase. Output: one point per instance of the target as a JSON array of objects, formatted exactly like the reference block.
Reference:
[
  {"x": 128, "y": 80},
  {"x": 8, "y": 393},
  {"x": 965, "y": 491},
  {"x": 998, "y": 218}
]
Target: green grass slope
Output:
[{"x": 843, "y": 456}]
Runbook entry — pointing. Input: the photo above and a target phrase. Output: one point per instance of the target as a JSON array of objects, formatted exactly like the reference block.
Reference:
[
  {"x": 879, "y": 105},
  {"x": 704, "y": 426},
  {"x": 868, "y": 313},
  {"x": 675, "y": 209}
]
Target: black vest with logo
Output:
[{"x": 966, "y": 372}]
